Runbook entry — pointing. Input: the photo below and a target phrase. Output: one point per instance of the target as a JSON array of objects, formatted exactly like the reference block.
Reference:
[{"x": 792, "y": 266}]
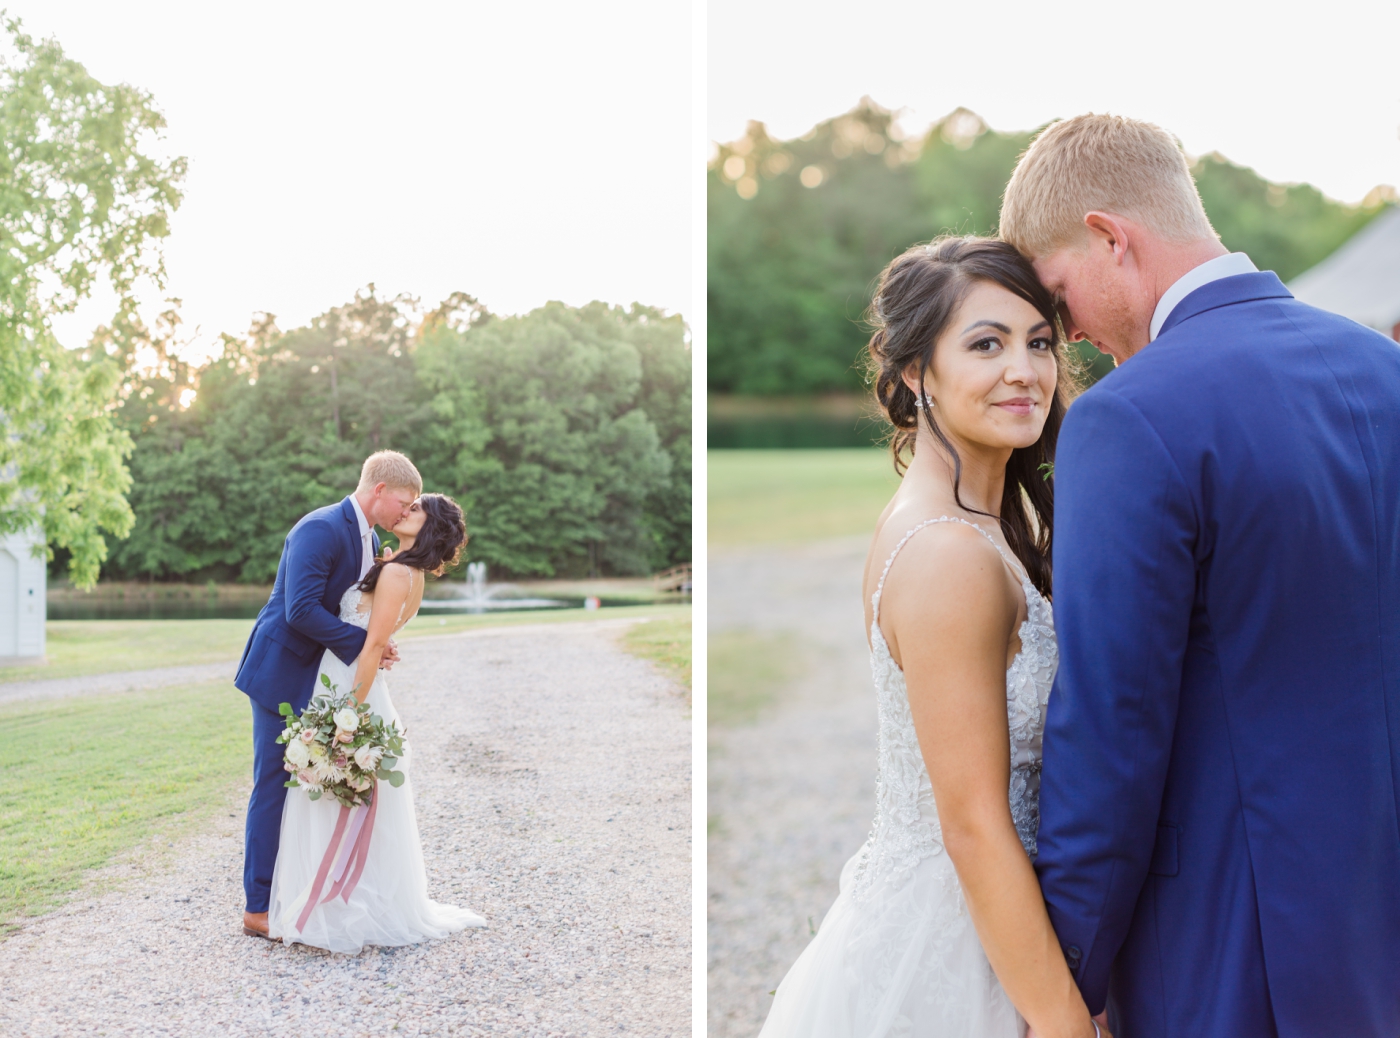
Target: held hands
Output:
[{"x": 390, "y": 657}]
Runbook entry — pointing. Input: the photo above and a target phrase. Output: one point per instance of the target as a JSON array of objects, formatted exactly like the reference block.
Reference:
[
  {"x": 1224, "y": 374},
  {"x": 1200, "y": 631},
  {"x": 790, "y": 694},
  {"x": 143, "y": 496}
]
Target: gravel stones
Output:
[
  {"x": 791, "y": 795},
  {"x": 552, "y": 778}
]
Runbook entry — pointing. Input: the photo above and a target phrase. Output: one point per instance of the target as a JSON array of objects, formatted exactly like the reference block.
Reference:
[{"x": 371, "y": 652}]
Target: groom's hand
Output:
[{"x": 390, "y": 657}]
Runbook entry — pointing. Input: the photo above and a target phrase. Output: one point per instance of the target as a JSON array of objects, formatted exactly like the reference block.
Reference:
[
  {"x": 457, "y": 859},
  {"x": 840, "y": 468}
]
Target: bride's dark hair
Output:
[
  {"x": 439, "y": 541},
  {"x": 917, "y": 296}
]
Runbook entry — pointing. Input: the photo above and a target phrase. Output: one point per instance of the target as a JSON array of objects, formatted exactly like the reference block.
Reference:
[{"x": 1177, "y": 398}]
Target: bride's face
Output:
[
  {"x": 412, "y": 521},
  {"x": 993, "y": 373}
]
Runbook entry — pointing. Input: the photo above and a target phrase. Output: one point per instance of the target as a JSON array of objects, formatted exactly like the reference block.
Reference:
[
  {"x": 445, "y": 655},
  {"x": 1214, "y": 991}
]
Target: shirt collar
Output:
[
  {"x": 1226, "y": 266},
  {"x": 360, "y": 515}
]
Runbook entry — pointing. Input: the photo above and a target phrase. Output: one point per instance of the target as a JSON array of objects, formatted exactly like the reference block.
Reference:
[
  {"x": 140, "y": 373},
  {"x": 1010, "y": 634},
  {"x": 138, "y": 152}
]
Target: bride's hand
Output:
[{"x": 1101, "y": 1020}]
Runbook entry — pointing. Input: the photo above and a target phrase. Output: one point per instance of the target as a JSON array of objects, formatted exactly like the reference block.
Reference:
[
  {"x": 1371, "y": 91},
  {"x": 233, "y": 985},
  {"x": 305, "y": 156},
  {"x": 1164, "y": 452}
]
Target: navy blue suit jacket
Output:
[
  {"x": 320, "y": 560},
  {"x": 1219, "y": 842}
]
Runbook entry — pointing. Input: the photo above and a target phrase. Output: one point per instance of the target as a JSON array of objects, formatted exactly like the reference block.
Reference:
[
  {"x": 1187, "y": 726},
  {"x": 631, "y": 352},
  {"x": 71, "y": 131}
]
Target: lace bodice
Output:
[
  {"x": 350, "y": 607},
  {"x": 906, "y": 828}
]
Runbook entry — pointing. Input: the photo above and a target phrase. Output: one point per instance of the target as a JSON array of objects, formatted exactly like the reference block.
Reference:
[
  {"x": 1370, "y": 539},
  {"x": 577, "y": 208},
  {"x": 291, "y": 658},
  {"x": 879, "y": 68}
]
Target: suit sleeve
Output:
[
  {"x": 1125, "y": 577},
  {"x": 310, "y": 558}
]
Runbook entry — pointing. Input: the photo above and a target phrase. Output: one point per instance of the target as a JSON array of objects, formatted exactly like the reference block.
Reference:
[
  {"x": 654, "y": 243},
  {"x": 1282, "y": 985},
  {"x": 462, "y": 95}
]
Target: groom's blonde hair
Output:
[
  {"x": 1105, "y": 163},
  {"x": 391, "y": 468}
]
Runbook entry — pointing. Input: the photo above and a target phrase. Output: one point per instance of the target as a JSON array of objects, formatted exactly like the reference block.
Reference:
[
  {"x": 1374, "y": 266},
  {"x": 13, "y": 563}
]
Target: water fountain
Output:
[{"x": 476, "y": 596}]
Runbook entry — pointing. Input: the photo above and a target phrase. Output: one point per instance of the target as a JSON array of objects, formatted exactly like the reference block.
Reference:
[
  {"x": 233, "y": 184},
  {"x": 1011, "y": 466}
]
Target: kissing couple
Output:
[
  {"x": 334, "y": 610},
  {"x": 1170, "y": 807}
]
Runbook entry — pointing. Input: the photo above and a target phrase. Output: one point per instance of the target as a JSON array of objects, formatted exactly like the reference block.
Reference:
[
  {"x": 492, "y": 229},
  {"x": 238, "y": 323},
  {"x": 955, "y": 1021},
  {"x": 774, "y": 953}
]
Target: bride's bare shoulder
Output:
[
  {"x": 397, "y": 577},
  {"x": 944, "y": 562}
]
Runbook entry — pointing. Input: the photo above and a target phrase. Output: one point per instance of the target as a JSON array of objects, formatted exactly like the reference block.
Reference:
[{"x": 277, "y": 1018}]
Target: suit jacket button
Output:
[{"x": 1073, "y": 955}]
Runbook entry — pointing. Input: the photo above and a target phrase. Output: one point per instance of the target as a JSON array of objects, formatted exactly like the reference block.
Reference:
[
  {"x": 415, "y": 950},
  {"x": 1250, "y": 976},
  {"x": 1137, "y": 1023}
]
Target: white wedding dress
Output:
[
  {"x": 390, "y": 904},
  {"x": 897, "y": 954}
]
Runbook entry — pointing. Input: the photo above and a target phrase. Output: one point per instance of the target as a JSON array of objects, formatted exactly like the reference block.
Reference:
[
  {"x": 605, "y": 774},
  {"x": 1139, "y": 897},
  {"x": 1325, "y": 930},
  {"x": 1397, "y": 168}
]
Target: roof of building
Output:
[{"x": 1361, "y": 280}]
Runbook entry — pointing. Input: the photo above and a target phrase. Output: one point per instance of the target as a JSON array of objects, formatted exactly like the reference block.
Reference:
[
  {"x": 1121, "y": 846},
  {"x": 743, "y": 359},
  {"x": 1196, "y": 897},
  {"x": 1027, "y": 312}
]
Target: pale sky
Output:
[
  {"x": 1300, "y": 92},
  {"x": 521, "y": 152}
]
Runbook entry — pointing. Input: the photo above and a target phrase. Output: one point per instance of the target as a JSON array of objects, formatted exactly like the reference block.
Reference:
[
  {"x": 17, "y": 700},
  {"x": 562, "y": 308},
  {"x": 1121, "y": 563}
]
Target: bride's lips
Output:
[{"x": 1021, "y": 405}]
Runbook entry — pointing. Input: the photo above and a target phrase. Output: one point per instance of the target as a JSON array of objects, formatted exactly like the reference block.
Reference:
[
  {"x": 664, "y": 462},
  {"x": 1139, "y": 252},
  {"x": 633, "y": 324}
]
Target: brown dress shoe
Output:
[{"x": 255, "y": 925}]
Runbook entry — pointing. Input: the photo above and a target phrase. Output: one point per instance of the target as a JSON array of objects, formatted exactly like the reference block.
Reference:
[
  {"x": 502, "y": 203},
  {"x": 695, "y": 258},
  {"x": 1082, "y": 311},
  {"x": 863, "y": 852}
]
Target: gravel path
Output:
[
  {"x": 552, "y": 779},
  {"x": 791, "y": 795}
]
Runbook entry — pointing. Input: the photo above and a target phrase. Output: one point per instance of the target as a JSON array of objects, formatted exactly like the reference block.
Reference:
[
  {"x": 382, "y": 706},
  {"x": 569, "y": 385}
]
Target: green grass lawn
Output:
[
  {"x": 666, "y": 642},
  {"x": 86, "y": 779},
  {"x": 77, "y": 647},
  {"x": 746, "y": 671},
  {"x": 763, "y": 497}
]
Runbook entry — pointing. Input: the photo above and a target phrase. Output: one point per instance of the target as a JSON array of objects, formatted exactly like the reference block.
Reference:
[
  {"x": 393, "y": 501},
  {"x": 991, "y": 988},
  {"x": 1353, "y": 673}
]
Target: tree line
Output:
[
  {"x": 799, "y": 229},
  {"x": 563, "y": 433}
]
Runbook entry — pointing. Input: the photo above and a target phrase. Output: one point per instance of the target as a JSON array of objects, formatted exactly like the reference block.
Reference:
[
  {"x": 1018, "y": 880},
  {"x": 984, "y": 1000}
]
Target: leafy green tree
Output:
[
  {"x": 538, "y": 432},
  {"x": 279, "y": 425},
  {"x": 80, "y": 198},
  {"x": 799, "y": 230},
  {"x": 565, "y": 434}
]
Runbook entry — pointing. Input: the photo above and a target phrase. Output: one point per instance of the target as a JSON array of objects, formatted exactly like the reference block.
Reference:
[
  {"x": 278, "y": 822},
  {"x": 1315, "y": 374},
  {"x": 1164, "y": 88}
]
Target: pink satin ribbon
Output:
[{"x": 343, "y": 868}]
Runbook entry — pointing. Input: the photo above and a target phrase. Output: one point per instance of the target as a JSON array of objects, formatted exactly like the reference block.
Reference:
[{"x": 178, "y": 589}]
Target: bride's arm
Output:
[
  {"x": 952, "y": 611},
  {"x": 389, "y": 595}
]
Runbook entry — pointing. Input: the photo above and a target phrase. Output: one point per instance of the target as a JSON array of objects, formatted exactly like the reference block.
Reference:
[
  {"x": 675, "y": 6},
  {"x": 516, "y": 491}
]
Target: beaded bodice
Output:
[
  {"x": 350, "y": 607},
  {"x": 906, "y": 828}
]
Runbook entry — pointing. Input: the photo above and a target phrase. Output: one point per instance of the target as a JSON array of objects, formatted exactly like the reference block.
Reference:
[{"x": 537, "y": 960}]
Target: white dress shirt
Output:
[
  {"x": 366, "y": 538},
  {"x": 1226, "y": 266}
]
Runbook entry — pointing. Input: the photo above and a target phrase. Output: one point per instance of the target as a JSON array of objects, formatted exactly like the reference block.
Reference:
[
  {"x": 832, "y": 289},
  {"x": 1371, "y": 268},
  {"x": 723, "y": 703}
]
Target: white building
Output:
[
  {"x": 1361, "y": 280},
  {"x": 23, "y": 582}
]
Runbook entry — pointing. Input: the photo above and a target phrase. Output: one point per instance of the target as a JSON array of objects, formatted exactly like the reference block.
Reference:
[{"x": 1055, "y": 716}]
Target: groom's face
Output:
[
  {"x": 389, "y": 505},
  {"x": 1097, "y": 297}
]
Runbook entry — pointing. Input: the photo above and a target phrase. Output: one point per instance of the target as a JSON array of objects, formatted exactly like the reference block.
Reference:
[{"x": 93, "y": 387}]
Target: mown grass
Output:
[
  {"x": 83, "y": 780},
  {"x": 78, "y": 647},
  {"x": 666, "y": 642},
  {"x": 765, "y": 497},
  {"x": 747, "y": 670}
]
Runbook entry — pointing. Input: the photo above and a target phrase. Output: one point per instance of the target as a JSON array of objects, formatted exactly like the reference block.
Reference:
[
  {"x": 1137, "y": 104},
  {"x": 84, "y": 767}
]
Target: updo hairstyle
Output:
[{"x": 918, "y": 294}]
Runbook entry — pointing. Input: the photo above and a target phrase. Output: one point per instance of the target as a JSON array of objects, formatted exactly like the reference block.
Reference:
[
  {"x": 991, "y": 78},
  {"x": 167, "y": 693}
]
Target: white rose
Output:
[
  {"x": 346, "y": 719},
  {"x": 368, "y": 757},
  {"x": 298, "y": 754}
]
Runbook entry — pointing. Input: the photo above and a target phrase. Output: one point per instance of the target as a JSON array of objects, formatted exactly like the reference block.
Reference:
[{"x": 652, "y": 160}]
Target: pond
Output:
[{"x": 217, "y": 608}]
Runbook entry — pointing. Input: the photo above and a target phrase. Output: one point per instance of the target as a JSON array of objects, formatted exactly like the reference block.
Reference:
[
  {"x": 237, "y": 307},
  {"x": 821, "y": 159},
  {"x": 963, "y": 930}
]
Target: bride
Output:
[
  {"x": 939, "y": 930},
  {"x": 390, "y": 904}
]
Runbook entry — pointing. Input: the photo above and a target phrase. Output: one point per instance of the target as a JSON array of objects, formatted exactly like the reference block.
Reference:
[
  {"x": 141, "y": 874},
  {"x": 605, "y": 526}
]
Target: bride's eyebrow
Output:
[
  {"x": 988, "y": 324},
  {"x": 1036, "y": 328}
]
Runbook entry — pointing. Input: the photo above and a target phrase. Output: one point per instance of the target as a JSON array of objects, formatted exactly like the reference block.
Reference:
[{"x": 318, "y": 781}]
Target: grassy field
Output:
[
  {"x": 666, "y": 642},
  {"x": 86, "y": 779},
  {"x": 78, "y": 647},
  {"x": 765, "y": 497},
  {"x": 746, "y": 671}
]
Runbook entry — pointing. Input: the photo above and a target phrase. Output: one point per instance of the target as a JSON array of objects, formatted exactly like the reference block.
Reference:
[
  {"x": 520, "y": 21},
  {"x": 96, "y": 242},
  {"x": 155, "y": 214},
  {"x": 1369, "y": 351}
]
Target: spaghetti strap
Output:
[{"x": 1016, "y": 571}]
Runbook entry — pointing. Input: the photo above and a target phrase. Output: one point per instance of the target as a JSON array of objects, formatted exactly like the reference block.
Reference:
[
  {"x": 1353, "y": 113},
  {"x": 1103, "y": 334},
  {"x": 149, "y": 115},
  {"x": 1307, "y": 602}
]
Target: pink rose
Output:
[
  {"x": 345, "y": 736},
  {"x": 306, "y": 778},
  {"x": 309, "y": 735}
]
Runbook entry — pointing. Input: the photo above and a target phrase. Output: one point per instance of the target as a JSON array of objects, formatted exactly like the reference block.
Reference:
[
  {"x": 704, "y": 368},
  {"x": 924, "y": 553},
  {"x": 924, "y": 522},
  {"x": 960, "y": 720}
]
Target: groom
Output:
[
  {"x": 1219, "y": 842},
  {"x": 329, "y": 550}
]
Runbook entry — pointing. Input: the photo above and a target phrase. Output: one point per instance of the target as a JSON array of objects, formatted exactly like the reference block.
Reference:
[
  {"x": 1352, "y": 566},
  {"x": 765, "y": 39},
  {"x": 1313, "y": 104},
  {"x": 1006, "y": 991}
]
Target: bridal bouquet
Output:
[{"x": 337, "y": 747}]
